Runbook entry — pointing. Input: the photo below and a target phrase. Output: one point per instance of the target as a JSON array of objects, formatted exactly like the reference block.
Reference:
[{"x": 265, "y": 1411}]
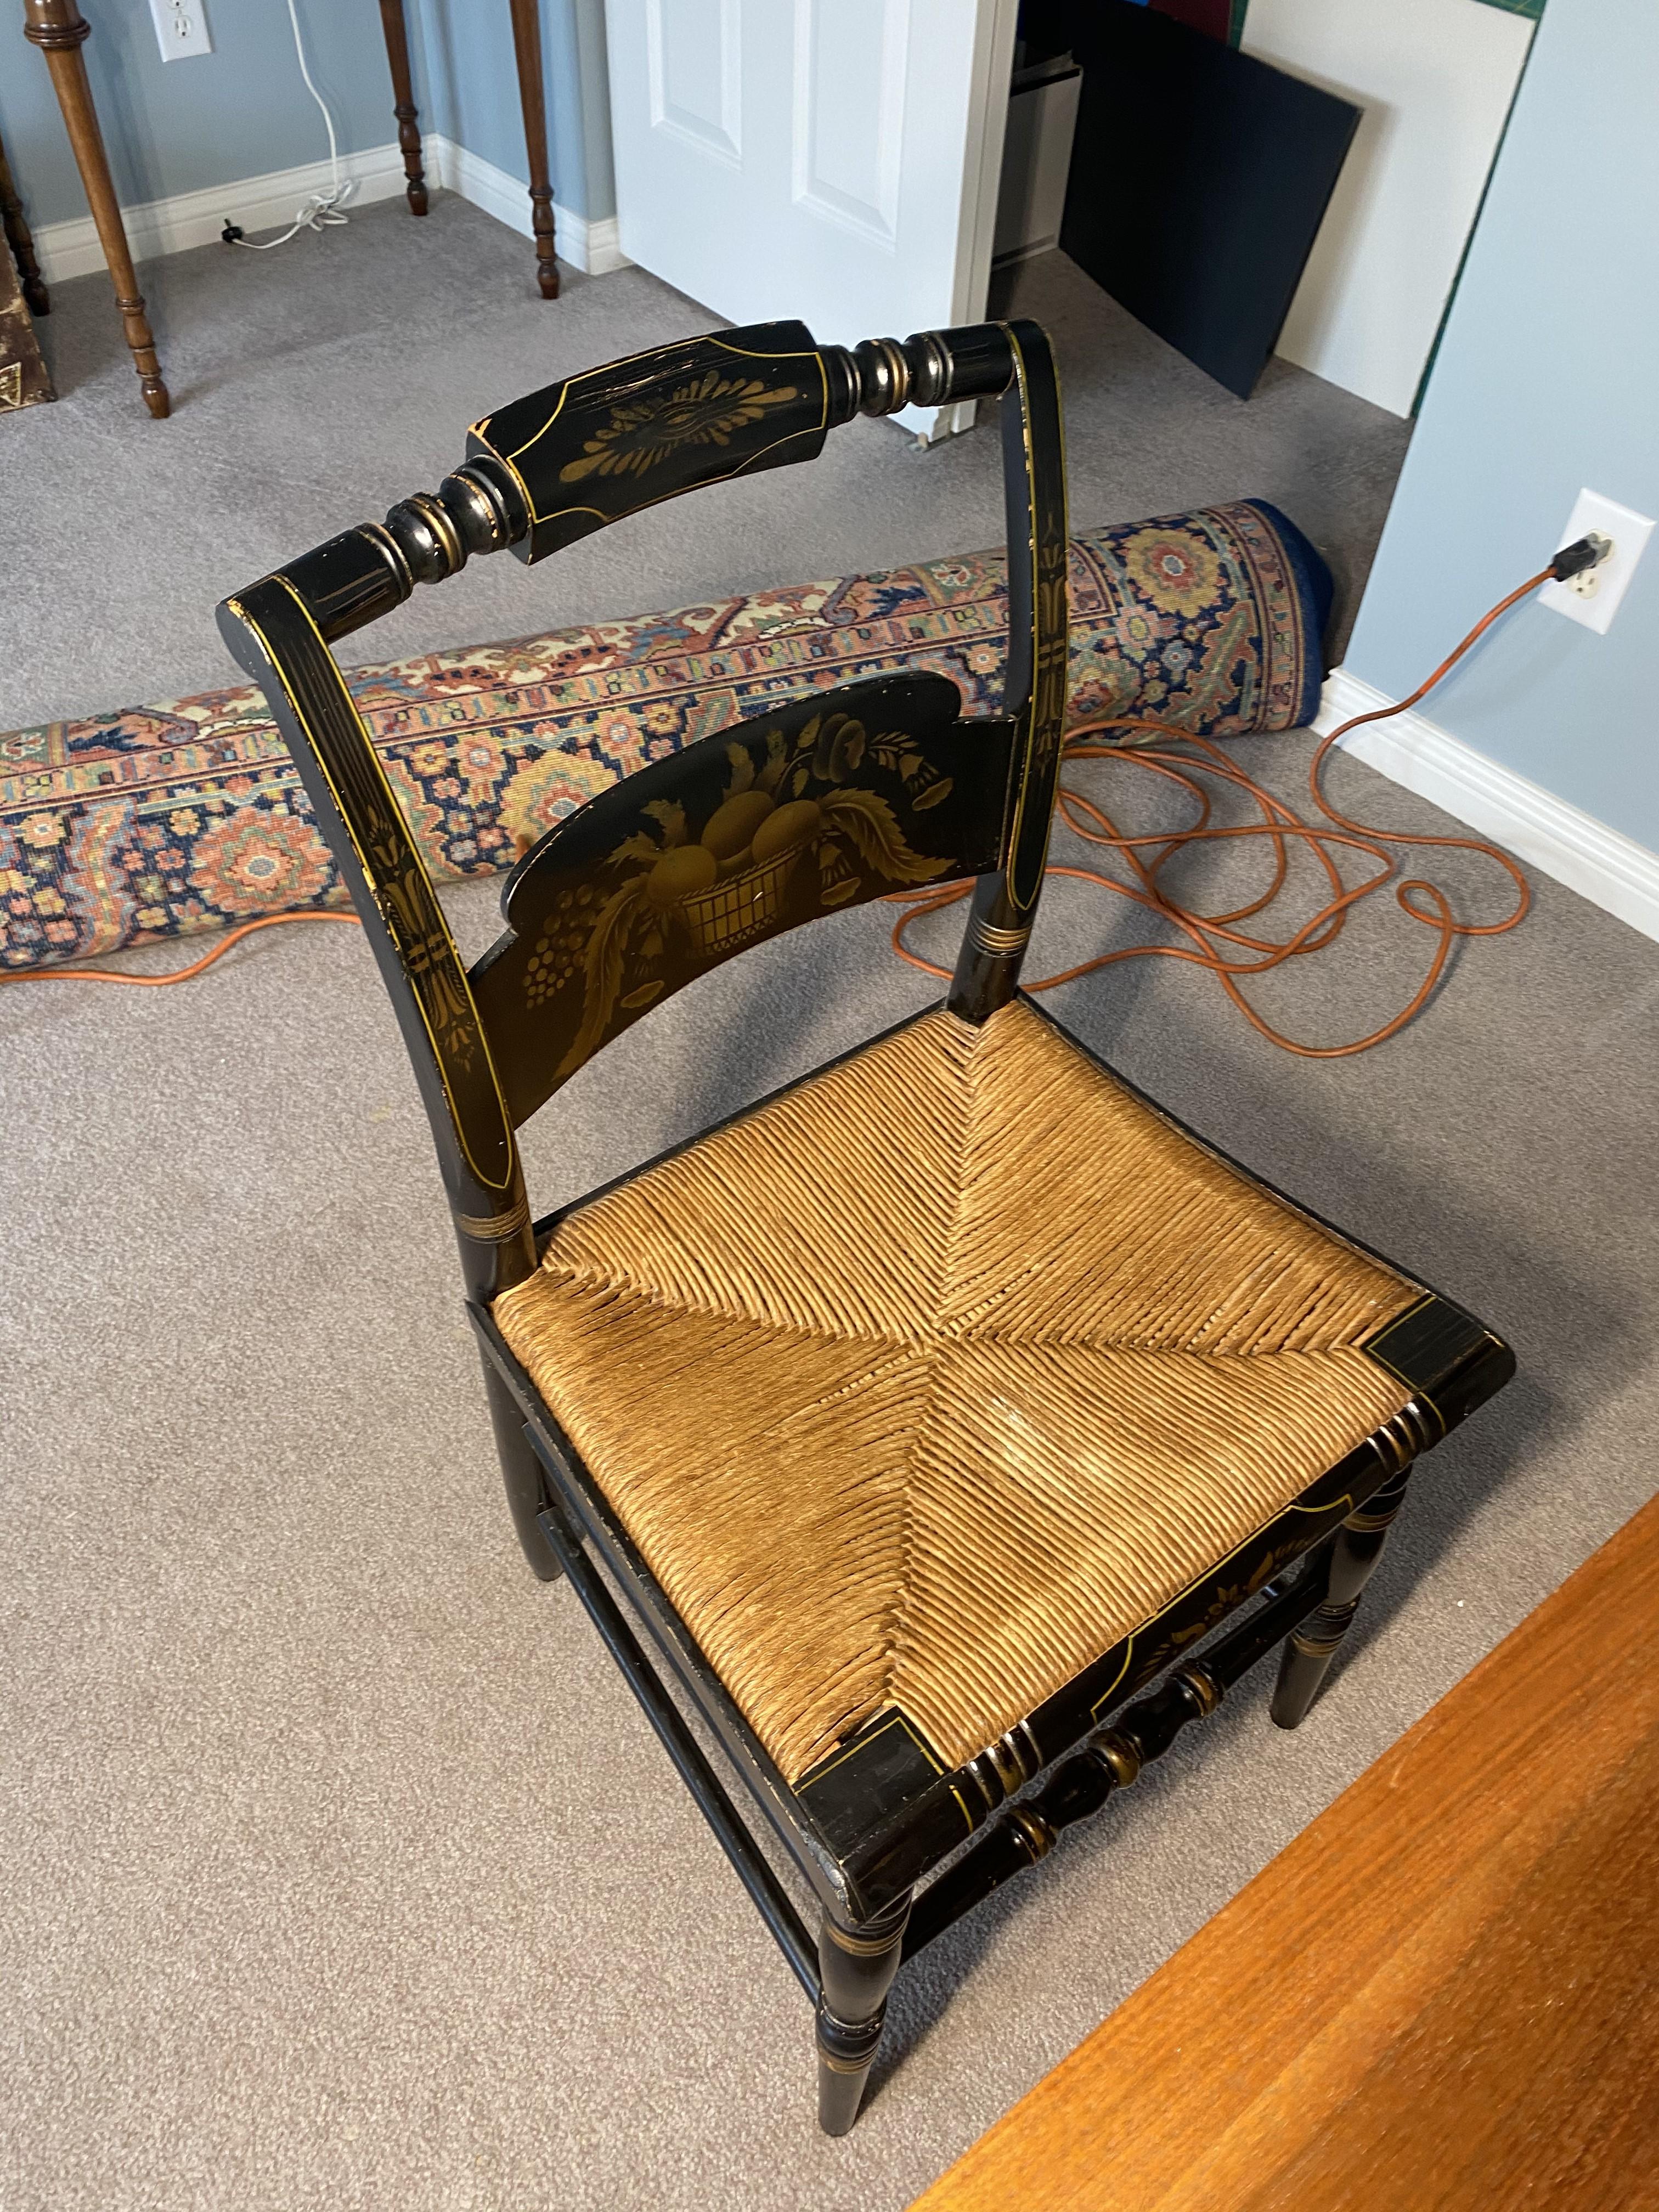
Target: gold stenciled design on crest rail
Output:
[
  {"x": 641, "y": 433},
  {"x": 693, "y": 895}
]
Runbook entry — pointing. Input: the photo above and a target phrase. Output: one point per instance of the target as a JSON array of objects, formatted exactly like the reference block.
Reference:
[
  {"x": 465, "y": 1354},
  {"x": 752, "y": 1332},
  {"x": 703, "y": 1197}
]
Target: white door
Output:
[{"x": 835, "y": 160}]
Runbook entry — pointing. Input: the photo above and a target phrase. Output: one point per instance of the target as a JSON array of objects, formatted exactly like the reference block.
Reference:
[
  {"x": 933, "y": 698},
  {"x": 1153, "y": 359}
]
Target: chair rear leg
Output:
[
  {"x": 521, "y": 1471},
  {"x": 857, "y": 1964},
  {"x": 1310, "y": 1650}
]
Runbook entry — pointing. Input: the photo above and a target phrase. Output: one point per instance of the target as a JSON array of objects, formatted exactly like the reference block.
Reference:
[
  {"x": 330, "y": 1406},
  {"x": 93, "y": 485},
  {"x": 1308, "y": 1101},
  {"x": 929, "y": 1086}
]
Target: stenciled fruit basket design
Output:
[{"x": 691, "y": 897}]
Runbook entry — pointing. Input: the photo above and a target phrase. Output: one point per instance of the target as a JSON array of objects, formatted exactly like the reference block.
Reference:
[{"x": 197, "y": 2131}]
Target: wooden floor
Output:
[{"x": 1443, "y": 1995}]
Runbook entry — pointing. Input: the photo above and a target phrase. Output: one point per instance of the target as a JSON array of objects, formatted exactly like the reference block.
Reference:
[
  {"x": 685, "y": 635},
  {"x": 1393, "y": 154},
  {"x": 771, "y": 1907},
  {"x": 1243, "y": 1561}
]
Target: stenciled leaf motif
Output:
[
  {"x": 639, "y": 846},
  {"x": 742, "y": 775},
  {"x": 671, "y": 815},
  {"x": 602, "y": 972},
  {"x": 776, "y": 760},
  {"x": 871, "y": 823},
  {"x": 642, "y": 433}
]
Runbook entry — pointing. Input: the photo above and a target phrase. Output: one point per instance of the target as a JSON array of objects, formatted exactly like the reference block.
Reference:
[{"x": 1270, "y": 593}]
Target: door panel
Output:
[
  {"x": 833, "y": 160},
  {"x": 850, "y": 64},
  {"x": 695, "y": 59}
]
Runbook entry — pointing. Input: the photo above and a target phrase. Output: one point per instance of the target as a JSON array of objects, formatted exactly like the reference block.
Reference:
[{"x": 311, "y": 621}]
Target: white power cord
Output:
[{"x": 322, "y": 210}]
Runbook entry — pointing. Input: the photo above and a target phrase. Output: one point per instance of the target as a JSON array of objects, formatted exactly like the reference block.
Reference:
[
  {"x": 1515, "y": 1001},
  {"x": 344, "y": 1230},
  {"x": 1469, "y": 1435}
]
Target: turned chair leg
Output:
[
  {"x": 60, "y": 30},
  {"x": 521, "y": 1471},
  {"x": 403, "y": 107},
  {"x": 1310, "y": 1650},
  {"x": 527, "y": 46},
  {"x": 21, "y": 242},
  {"x": 857, "y": 1965}
]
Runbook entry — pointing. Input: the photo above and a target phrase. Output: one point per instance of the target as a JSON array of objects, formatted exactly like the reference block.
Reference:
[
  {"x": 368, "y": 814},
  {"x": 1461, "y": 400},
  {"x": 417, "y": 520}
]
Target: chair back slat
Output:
[{"x": 824, "y": 803}]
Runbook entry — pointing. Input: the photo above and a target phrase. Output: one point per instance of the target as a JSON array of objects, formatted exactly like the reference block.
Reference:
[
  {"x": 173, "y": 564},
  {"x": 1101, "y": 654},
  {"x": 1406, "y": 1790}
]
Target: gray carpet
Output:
[
  {"x": 315, "y": 385},
  {"x": 340, "y": 1871}
]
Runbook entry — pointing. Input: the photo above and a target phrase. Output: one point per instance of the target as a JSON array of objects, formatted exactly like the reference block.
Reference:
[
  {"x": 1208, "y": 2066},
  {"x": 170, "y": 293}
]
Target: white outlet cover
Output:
[
  {"x": 181, "y": 29},
  {"x": 1630, "y": 533}
]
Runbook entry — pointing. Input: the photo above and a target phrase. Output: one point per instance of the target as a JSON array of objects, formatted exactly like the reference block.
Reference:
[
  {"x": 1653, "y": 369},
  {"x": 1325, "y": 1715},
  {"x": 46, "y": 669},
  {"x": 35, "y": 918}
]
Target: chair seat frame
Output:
[{"x": 894, "y": 1848}]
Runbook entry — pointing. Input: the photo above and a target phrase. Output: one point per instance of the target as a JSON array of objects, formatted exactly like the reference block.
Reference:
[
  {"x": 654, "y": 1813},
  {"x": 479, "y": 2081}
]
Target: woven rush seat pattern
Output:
[{"x": 930, "y": 1378}]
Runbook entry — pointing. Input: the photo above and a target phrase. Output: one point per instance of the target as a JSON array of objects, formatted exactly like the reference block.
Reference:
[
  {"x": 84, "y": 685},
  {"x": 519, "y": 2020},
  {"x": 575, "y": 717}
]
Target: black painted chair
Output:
[{"x": 931, "y": 1410}]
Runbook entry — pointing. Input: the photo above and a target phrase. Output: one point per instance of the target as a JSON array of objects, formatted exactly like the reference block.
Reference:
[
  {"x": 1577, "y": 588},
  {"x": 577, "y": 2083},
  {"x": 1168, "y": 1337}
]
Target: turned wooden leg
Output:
[
  {"x": 1310, "y": 1650},
  {"x": 527, "y": 45},
  {"x": 403, "y": 94},
  {"x": 60, "y": 30},
  {"x": 521, "y": 1471},
  {"x": 21, "y": 242},
  {"x": 857, "y": 1965}
]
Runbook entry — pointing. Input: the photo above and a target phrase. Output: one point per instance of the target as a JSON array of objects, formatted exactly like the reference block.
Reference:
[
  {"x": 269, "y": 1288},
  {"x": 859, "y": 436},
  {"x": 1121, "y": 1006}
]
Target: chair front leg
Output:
[
  {"x": 1310, "y": 1650},
  {"x": 857, "y": 1965},
  {"x": 521, "y": 1471}
]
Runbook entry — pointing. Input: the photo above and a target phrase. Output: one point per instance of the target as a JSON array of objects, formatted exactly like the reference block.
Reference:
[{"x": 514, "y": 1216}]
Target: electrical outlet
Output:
[
  {"x": 181, "y": 29},
  {"x": 1592, "y": 597}
]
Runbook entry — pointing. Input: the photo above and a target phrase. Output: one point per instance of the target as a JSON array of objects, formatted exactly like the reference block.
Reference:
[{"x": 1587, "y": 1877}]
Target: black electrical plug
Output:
[
  {"x": 1584, "y": 553},
  {"x": 232, "y": 234}
]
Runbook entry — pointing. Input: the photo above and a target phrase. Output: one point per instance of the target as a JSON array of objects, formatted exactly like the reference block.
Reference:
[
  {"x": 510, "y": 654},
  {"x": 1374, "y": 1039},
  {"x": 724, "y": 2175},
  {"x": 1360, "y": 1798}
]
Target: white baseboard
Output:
[
  {"x": 1611, "y": 870},
  {"x": 188, "y": 219},
  {"x": 590, "y": 246},
  {"x": 268, "y": 203}
]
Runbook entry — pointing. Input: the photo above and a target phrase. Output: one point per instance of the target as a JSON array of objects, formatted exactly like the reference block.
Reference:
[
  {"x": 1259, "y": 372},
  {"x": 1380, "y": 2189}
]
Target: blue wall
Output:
[
  {"x": 1547, "y": 379},
  {"x": 176, "y": 126},
  {"x": 472, "y": 95},
  {"x": 242, "y": 111}
]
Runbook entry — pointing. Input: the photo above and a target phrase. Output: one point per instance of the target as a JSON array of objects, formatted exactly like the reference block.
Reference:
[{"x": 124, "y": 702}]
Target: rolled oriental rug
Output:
[{"x": 158, "y": 820}]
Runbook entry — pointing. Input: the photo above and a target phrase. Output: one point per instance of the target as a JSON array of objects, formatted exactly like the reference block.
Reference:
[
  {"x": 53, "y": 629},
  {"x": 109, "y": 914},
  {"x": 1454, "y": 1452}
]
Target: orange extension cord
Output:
[{"x": 1153, "y": 749}]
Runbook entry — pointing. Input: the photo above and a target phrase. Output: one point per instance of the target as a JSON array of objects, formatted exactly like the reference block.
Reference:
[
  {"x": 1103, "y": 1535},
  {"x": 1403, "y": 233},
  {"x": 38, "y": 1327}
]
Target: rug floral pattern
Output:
[{"x": 158, "y": 820}]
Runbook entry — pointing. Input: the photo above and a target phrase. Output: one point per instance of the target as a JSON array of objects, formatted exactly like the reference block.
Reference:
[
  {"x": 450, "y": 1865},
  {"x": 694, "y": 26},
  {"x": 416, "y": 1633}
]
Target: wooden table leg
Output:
[
  {"x": 60, "y": 30},
  {"x": 18, "y": 237},
  {"x": 403, "y": 94},
  {"x": 527, "y": 45}
]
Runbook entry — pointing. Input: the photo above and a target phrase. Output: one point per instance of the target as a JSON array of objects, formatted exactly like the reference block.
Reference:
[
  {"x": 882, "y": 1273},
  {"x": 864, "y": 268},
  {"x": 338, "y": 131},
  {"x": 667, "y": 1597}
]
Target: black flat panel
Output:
[{"x": 1200, "y": 177}]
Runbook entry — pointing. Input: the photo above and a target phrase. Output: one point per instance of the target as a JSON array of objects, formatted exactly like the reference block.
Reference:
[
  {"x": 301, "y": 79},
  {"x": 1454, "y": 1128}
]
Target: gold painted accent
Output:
[
  {"x": 663, "y": 905},
  {"x": 1040, "y": 1836},
  {"x": 385, "y": 892},
  {"x": 496, "y": 1228},
  {"x": 982, "y": 1783},
  {"x": 863, "y": 1946},
  {"x": 481, "y": 431},
  {"x": 1042, "y": 724},
  {"x": 1121, "y": 1755},
  {"x": 1006, "y": 1757},
  {"x": 643, "y": 433},
  {"x": 1204, "y": 1686},
  {"x": 991, "y": 938},
  {"x": 844, "y": 1366},
  {"x": 439, "y": 520},
  {"x": 1367, "y": 1524},
  {"x": 895, "y": 1719},
  {"x": 389, "y": 545},
  {"x": 1313, "y": 1645},
  {"x": 835, "y": 2062}
]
